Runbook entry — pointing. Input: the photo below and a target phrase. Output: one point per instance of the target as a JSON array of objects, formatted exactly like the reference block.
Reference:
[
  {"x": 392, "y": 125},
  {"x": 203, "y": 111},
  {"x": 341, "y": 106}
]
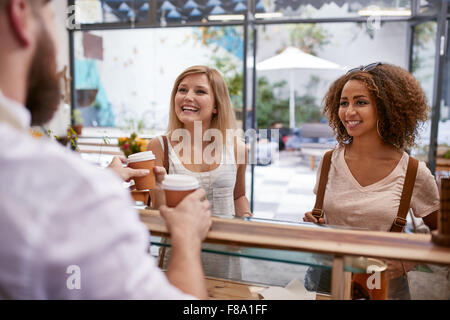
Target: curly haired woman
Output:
[{"x": 375, "y": 112}]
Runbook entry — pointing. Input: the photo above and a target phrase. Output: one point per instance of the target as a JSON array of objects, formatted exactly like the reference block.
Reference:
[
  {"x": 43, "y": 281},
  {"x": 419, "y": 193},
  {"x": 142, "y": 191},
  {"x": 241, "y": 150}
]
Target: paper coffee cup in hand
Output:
[
  {"x": 143, "y": 160},
  {"x": 178, "y": 186}
]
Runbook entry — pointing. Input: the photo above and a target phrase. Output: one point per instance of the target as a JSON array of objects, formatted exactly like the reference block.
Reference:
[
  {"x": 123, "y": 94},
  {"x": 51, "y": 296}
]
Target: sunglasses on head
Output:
[{"x": 369, "y": 67}]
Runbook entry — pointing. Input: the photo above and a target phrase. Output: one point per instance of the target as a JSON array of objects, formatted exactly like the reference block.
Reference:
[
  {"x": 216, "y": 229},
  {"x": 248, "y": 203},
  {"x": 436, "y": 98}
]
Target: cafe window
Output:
[
  {"x": 182, "y": 11},
  {"x": 128, "y": 86},
  {"x": 123, "y": 76},
  {"x": 443, "y": 151},
  {"x": 111, "y": 11},
  {"x": 286, "y": 166},
  {"x": 308, "y": 9},
  {"x": 422, "y": 67}
]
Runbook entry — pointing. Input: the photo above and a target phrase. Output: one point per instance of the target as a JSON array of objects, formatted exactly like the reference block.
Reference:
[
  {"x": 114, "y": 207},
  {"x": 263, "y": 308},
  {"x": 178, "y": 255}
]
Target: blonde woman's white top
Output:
[
  {"x": 219, "y": 187},
  {"x": 218, "y": 183}
]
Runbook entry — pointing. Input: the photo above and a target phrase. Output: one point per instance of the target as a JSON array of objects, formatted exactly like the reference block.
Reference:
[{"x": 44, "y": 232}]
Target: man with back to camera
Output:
[{"x": 59, "y": 214}]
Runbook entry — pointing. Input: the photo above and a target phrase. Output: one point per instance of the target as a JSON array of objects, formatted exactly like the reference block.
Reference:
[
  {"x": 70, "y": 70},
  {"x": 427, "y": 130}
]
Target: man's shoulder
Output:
[{"x": 43, "y": 164}]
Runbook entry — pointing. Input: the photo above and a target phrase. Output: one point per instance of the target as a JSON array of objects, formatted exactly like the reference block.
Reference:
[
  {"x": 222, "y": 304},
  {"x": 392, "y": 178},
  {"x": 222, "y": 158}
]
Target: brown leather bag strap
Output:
[
  {"x": 408, "y": 187},
  {"x": 317, "y": 212},
  {"x": 166, "y": 154}
]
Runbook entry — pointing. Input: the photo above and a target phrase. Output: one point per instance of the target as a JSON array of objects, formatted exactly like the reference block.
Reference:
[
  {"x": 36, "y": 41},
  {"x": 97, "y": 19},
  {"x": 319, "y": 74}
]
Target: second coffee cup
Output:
[
  {"x": 178, "y": 186},
  {"x": 143, "y": 160},
  {"x": 372, "y": 285}
]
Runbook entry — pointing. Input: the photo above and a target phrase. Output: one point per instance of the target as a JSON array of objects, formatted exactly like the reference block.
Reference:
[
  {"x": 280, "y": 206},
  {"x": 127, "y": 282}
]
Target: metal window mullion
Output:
[
  {"x": 437, "y": 83},
  {"x": 254, "y": 115},
  {"x": 153, "y": 17}
]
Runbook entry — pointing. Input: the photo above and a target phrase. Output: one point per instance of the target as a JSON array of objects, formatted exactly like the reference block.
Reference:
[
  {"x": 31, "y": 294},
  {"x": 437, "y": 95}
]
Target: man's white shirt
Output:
[{"x": 67, "y": 228}]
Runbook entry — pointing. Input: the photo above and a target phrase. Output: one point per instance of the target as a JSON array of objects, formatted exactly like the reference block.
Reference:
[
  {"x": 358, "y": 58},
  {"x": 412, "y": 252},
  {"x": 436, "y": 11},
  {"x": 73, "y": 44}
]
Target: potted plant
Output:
[
  {"x": 77, "y": 122},
  {"x": 132, "y": 144}
]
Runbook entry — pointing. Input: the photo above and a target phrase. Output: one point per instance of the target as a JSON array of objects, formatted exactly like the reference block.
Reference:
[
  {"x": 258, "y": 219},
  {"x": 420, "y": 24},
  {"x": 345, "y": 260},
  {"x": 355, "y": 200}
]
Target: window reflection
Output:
[
  {"x": 443, "y": 152},
  {"x": 424, "y": 48},
  {"x": 109, "y": 11},
  {"x": 286, "y": 172},
  {"x": 330, "y": 9},
  {"x": 129, "y": 86},
  {"x": 182, "y": 11}
]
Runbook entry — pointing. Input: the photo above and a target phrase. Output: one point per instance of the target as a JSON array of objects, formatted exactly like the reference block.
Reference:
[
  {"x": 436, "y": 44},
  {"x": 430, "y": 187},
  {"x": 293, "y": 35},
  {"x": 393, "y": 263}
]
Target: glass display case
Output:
[{"x": 272, "y": 253}]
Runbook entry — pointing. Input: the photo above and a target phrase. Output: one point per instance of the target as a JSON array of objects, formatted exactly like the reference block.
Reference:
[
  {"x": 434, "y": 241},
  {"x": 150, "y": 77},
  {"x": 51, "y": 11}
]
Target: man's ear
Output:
[{"x": 19, "y": 13}]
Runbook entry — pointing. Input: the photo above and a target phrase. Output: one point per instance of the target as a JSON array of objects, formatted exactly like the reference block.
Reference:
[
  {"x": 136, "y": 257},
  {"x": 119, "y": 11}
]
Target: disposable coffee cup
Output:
[
  {"x": 178, "y": 186},
  {"x": 373, "y": 284},
  {"x": 143, "y": 160}
]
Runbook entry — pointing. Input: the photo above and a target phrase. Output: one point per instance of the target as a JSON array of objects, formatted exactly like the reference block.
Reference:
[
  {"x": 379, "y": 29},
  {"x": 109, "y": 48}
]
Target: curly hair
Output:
[{"x": 400, "y": 101}]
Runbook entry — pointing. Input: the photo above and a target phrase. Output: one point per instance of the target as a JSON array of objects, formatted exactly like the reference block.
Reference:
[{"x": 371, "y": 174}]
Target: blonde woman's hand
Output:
[
  {"x": 244, "y": 214},
  {"x": 157, "y": 193},
  {"x": 310, "y": 218},
  {"x": 160, "y": 174}
]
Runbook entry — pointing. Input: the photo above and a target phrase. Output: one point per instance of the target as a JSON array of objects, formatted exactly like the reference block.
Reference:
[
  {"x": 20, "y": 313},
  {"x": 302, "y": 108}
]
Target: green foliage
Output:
[
  {"x": 447, "y": 155},
  {"x": 423, "y": 34},
  {"x": 132, "y": 124},
  {"x": 306, "y": 109},
  {"x": 308, "y": 37},
  {"x": 270, "y": 109},
  {"x": 233, "y": 78}
]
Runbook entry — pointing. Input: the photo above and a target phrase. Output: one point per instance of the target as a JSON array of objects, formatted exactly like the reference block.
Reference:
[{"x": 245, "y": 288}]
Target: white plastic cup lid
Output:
[
  {"x": 180, "y": 182},
  {"x": 141, "y": 156}
]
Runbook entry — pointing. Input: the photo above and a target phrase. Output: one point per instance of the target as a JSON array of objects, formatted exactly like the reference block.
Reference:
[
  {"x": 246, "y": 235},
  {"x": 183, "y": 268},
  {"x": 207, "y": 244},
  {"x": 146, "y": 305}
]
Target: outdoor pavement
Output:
[{"x": 283, "y": 190}]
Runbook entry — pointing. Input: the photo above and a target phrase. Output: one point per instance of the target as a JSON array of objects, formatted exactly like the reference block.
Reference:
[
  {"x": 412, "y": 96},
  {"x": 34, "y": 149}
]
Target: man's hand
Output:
[
  {"x": 310, "y": 218},
  {"x": 125, "y": 173},
  {"x": 188, "y": 225},
  {"x": 190, "y": 220}
]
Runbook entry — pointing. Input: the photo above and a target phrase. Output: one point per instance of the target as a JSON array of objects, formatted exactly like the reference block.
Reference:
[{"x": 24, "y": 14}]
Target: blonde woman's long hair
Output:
[{"x": 224, "y": 118}]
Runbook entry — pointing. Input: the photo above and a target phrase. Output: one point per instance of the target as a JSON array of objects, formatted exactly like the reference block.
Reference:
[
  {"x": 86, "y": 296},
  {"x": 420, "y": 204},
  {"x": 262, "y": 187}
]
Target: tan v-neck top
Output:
[
  {"x": 375, "y": 206},
  {"x": 218, "y": 183}
]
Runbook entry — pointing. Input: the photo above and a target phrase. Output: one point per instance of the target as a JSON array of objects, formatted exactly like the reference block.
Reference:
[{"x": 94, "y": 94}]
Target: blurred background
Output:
[{"x": 278, "y": 57}]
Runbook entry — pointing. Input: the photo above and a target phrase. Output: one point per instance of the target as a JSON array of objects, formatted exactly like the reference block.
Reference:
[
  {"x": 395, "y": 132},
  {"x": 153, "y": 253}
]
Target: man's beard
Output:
[{"x": 43, "y": 94}]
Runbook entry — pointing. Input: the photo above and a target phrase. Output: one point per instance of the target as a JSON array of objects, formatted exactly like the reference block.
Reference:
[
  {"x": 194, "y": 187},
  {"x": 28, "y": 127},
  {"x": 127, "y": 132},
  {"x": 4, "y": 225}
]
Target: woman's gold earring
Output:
[{"x": 378, "y": 129}]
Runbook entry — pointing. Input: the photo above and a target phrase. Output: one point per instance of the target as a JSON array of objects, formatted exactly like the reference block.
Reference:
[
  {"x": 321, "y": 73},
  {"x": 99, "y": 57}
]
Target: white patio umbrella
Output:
[{"x": 293, "y": 58}]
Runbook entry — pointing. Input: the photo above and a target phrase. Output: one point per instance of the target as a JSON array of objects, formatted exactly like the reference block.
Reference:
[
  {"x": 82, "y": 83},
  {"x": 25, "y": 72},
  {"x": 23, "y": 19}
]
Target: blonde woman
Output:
[
  {"x": 197, "y": 145},
  {"x": 199, "y": 102}
]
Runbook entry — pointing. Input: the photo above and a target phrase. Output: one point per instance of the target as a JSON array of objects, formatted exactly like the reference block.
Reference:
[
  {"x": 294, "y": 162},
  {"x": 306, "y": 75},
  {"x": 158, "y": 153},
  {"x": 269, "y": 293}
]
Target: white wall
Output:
[
  {"x": 350, "y": 46},
  {"x": 140, "y": 66}
]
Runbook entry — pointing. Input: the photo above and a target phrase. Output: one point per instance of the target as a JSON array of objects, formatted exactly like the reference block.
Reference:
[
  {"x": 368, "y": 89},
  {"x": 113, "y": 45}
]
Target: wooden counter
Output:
[
  {"x": 412, "y": 247},
  {"x": 220, "y": 289},
  {"x": 338, "y": 243}
]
